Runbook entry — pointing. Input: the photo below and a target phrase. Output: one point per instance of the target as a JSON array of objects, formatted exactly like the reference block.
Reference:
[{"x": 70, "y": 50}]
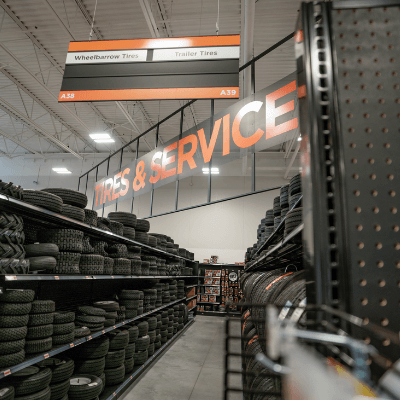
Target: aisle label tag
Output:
[
  {"x": 56, "y": 277},
  {"x": 285, "y": 310},
  {"x": 11, "y": 278},
  {"x": 103, "y": 332},
  {"x": 46, "y": 355},
  {"x": 87, "y": 277},
  {"x": 8, "y": 372},
  {"x": 89, "y": 338},
  {"x": 112, "y": 277},
  {"x": 71, "y": 345}
]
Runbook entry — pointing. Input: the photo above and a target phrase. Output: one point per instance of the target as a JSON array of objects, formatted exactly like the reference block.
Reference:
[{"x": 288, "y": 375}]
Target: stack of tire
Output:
[
  {"x": 115, "y": 358},
  {"x": 12, "y": 239},
  {"x": 85, "y": 387},
  {"x": 103, "y": 224},
  {"x": 284, "y": 200},
  {"x": 42, "y": 257},
  {"x": 15, "y": 306},
  {"x": 159, "y": 287},
  {"x": 161, "y": 268},
  {"x": 62, "y": 369},
  {"x": 152, "y": 241},
  {"x": 150, "y": 298},
  {"x": 90, "y": 217},
  {"x": 175, "y": 319},
  {"x": 183, "y": 315},
  {"x": 180, "y": 289},
  {"x": 157, "y": 343},
  {"x": 111, "y": 309},
  {"x": 161, "y": 240},
  {"x": 170, "y": 328},
  {"x": 165, "y": 294},
  {"x": 70, "y": 245},
  {"x": 40, "y": 327},
  {"x": 63, "y": 328},
  {"x": 142, "y": 227},
  {"x": 169, "y": 247},
  {"x": 136, "y": 266},
  {"x": 145, "y": 267},
  {"x": 72, "y": 198},
  {"x": 130, "y": 300},
  {"x": 90, "y": 360},
  {"x": 133, "y": 332},
  {"x": 164, "y": 326},
  {"x": 134, "y": 253},
  {"x": 152, "y": 322},
  {"x": 42, "y": 199},
  {"x": 31, "y": 383},
  {"x": 294, "y": 217},
  {"x": 142, "y": 343},
  {"x": 173, "y": 290},
  {"x": 91, "y": 264},
  {"x": 91, "y": 317},
  {"x": 152, "y": 264},
  {"x": 141, "y": 304}
]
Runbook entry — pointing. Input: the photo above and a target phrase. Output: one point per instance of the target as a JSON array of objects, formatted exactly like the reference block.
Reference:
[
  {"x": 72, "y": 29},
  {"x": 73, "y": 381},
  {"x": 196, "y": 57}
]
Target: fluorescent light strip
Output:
[
  {"x": 95, "y": 136},
  {"x": 62, "y": 171}
]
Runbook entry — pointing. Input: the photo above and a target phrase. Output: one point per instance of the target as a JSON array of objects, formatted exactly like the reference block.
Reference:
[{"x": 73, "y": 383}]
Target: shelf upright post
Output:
[{"x": 210, "y": 163}]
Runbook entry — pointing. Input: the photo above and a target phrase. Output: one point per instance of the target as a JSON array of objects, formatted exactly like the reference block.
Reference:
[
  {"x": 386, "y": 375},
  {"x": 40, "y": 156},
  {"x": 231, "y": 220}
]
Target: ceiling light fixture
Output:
[
  {"x": 299, "y": 139},
  {"x": 214, "y": 170},
  {"x": 105, "y": 140},
  {"x": 102, "y": 138},
  {"x": 62, "y": 171}
]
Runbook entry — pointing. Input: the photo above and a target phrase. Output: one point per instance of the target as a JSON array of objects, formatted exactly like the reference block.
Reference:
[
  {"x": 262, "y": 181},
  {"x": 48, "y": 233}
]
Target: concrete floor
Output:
[{"x": 193, "y": 368}]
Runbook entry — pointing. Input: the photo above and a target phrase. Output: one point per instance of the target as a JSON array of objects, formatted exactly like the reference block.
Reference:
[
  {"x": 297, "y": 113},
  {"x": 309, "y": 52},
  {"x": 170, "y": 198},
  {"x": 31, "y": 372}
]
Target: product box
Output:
[
  {"x": 206, "y": 261},
  {"x": 208, "y": 281},
  {"x": 198, "y": 297},
  {"x": 212, "y": 299},
  {"x": 191, "y": 292},
  {"x": 204, "y": 298},
  {"x": 217, "y": 272},
  {"x": 209, "y": 272},
  {"x": 215, "y": 281},
  {"x": 223, "y": 272},
  {"x": 212, "y": 290}
]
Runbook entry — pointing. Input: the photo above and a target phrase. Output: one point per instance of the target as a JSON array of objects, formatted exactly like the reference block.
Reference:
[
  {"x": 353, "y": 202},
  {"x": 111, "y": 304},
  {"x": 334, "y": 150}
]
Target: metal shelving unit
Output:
[
  {"x": 192, "y": 297},
  {"x": 34, "y": 277},
  {"x": 60, "y": 349},
  {"x": 114, "y": 392},
  {"x": 51, "y": 218}
]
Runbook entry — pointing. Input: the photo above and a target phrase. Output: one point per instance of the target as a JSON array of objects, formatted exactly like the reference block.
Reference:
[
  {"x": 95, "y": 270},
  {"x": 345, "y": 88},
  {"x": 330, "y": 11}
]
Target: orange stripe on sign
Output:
[
  {"x": 277, "y": 279},
  {"x": 161, "y": 43},
  {"x": 150, "y": 94}
]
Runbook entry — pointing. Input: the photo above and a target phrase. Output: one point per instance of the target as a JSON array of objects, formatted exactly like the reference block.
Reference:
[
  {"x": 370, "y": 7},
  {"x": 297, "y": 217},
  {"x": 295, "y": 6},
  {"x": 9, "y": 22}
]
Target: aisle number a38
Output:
[
  {"x": 68, "y": 96},
  {"x": 228, "y": 92}
]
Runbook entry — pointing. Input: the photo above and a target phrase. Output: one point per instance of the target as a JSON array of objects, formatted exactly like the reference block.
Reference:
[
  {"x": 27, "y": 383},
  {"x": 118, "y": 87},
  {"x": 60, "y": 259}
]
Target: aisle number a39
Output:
[
  {"x": 68, "y": 96},
  {"x": 228, "y": 92}
]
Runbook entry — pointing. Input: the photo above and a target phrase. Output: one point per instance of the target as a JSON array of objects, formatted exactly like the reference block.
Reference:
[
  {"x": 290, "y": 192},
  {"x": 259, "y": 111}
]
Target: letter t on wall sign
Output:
[{"x": 271, "y": 113}]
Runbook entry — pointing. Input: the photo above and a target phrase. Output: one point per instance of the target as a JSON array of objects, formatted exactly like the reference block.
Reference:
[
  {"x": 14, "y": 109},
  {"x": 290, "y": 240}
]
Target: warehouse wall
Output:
[{"x": 225, "y": 229}]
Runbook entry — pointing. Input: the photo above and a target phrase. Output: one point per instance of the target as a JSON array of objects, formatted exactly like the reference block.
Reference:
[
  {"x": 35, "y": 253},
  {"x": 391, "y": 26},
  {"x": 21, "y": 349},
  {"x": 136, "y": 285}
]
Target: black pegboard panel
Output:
[{"x": 366, "y": 48}]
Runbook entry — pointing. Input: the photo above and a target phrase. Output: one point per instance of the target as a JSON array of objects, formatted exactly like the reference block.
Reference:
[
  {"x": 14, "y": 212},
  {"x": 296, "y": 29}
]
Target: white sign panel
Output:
[
  {"x": 96, "y": 57},
  {"x": 196, "y": 53}
]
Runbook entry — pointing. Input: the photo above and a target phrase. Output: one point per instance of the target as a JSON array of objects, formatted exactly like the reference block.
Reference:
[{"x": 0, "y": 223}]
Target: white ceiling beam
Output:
[
  {"x": 21, "y": 144},
  {"x": 148, "y": 15}
]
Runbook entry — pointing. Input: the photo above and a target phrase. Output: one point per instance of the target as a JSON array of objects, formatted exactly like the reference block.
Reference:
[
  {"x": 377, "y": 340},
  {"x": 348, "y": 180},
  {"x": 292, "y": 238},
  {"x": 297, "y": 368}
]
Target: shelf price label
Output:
[
  {"x": 56, "y": 278},
  {"x": 7, "y": 372},
  {"x": 46, "y": 356},
  {"x": 71, "y": 345}
]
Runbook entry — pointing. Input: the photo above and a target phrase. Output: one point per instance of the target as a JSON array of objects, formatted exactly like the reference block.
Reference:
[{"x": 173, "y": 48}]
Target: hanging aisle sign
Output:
[
  {"x": 204, "y": 67},
  {"x": 260, "y": 121}
]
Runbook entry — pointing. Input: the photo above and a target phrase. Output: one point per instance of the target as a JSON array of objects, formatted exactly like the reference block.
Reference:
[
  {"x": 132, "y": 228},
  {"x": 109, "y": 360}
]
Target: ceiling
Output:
[{"x": 34, "y": 38}]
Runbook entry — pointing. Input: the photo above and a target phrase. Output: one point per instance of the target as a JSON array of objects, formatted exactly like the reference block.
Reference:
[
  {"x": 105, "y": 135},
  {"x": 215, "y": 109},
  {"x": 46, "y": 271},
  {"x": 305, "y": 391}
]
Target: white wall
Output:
[{"x": 225, "y": 229}]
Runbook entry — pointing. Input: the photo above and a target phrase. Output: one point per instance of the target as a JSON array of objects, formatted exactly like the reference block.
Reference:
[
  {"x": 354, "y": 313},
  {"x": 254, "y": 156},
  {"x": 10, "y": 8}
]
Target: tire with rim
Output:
[
  {"x": 30, "y": 380},
  {"x": 84, "y": 387}
]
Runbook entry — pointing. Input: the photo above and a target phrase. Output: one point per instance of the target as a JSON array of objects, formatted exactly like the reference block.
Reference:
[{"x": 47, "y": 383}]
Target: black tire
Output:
[
  {"x": 73, "y": 212},
  {"x": 130, "y": 304},
  {"x": 17, "y": 296},
  {"x": 7, "y": 393},
  {"x": 9, "y": 189},
  {"x": 119, "y": 339},
  {"x": 40, "y": 319},
  {"x": 41, "y": 249},
  {"x": 63, "y": 339},
  {"x": 129, "y": 232},
  {"x": 38, "y": 346},
  {"x": 129, "y": 364},
  {"x": 99, "y": 247},
  {"x": 39, "y": 332},
  {"x": 69, "y": 196},
  {"x": 9, "y": 360},
  {"x": 31, "y": 381},
  {"x": 62, "y": 368},
  {"x": 69, "y": 240},
  {"x": 46, "y": 200},
  {"x": 93, "y": 366},
  {"x": 142, "y": 343},
  {"x": 59, "y": 389},
  {"x": 129, "y": 294},
  {"x": 15, "y": 309},
  {"x": 43, "y": 306},
  {"x": 115, "y": 358},
  {"x": 116, "y": 227},
  {"x": 12, "y": 346},
  {"x": 68, "y": 263},
  {"x": 95, "y": 348},
  {"x": 143, "y": 327},
  {"x": 94, "y": 311},
  {"x": 42, "y": 263},
  {"x": 64, "y": 317},
  {"x": 140, "y": 357},
  {"x": 91, "y": 269},
  {"x": 115, "y": 375},
  {"x": 13, "y": 321},
  {"x": 133, "y": 334},
  {"x": 44, "y": 394},
  {"x": 117, "y": 251},
  {"x": 91, "y": 259},
  {"x": 142, "y": 237},
  {"x": 12, "y": 334},
  {"x": 130, "y": 314},
  {"x": 130, "y": 350},
  {"x": 90, "y": 319},
  {"x": 127, "y": 219},
  {"x": 107, "y": 305},
  {"x": 81, "y": 332},
  {"x": 79, "y": 390},
  {"x": 142, "y": 225},
  {"x": 90, "y": 217}
]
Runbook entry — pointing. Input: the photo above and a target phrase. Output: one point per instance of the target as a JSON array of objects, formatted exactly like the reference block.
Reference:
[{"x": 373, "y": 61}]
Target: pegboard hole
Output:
[
  {"x": 380, "y": 87},
  {"x": 359, "y": 227},
  {"x": 364, "y": 301},
  {"x": 376, "y": 60},
  {"x": 377, "y": 73},
  {"x": 393, "y": 210},
  {"x": 384, "y": 322},
  {"x": 347, "y": 87},
  {"x": 396, "y": 228},
  {"x": 385, "y": 130},
  {"x": 381, "y": 101},
  {"x": 350, "y": 115},
  {"x": 359, "y": 47},
  {"x": 396, "y": 86},
  {"x": 360, "y": 245},
  {"x": 361, "y": 263},
  {"x": 361, "y": 74},
  {"x": 386, "y": 342},
  {"x": 397, "y": 263},
  {"x": 366, "y": 115},
  {"x": 387, "y": 145},
  {"x": 373, "y": 176},
  {"x": 390, "y": 177},
  {"x": 372, "y": 34},
  {"x": 365, "y": 321},
  {"x": 374, "y": 47},
  {"x": 392, "y": 193},
  {"x": 377, "y": 228},
  {"x": 352, "y": 145},
  {"x": 367, "y": 340},
  {"x": 389, "y": 34},
  {"x": 363, "y": 87},
  {"x": 365, "y": 101},
  {"x": 382, "y": 302},
  {"x": 354, "y": 160},
  {"x": 383, "y": 115},
  {"x": 371, "y": 160},
  {"x": 381, "y": 283},
  {"x": 374, "y": 193},
  {"x": 363, "y": 282},
  {"x": 397, "y": 246},
  {"x": 368, "y": 130},
  {"x": 355, "y": 176},
  {"x": 380, "y": 264},
  {"x": 348, "y": 101},
  {"x": 358, "y": 210},
  {"x": 379, "y": 245},
  {"x": 370, "y": 145},
  {"x": 392, "y": 60},
  {"x": 388, "y": 161},
  {"x": 351, "y": 130},
  {"x": 356, "y": 193}
]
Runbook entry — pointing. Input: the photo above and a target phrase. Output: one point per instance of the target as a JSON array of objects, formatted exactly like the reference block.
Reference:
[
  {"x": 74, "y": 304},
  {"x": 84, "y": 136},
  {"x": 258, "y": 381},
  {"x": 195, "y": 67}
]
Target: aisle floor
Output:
[{"x": 192, "y": 369}]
